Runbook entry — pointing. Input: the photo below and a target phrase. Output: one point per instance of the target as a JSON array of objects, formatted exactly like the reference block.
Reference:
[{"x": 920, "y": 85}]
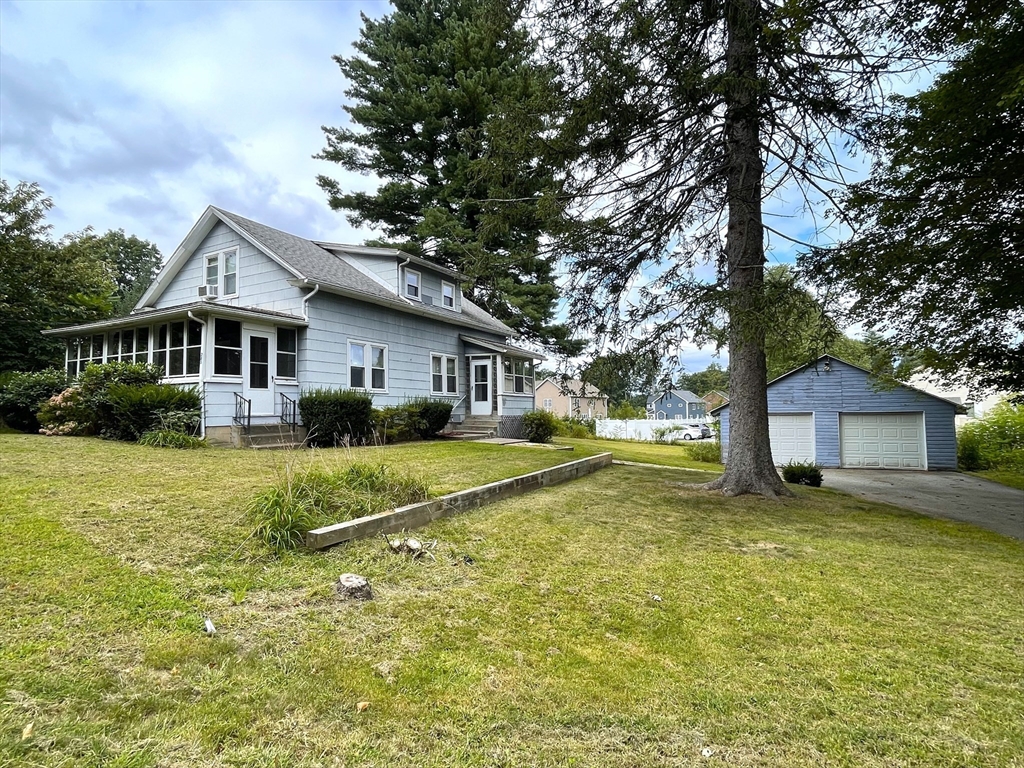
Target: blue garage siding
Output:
[{"x": 847, "y": 389}]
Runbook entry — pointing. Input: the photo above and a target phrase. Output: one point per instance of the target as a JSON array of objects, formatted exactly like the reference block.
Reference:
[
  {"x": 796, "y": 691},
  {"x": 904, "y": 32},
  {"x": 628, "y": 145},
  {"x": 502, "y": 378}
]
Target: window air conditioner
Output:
[
  {"x": 427, "y": 300},
  {"x": 207, "y": 291}
]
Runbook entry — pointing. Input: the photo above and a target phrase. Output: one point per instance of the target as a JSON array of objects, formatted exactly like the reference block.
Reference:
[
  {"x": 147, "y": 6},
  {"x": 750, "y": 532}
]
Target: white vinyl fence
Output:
[{"x": 634, "y": 429}]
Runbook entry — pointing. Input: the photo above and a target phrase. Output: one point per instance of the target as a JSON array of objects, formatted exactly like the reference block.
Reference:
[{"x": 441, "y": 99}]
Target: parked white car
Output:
[{"x": 686, "y": 432}]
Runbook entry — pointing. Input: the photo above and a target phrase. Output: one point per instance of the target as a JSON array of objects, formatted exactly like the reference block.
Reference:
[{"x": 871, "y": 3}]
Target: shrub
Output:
[
  {"x": 576, "y": 426},
  {"x": 336, "y": 416},
  {"x": 392, "y": 424},
  {"x": 65, "y": 414},
  {"x": 709, "y": 451},
  {"x": 170, "y": 438},
  {"x": 664, "y": 434},
  {"x": 626, "y": 410},
  {"x": 994, "y": 442},
  {"x": 429, "y": 417},
  {"x": 138, "y": 409},
  {"x": 96, "y": 380},
  {"x": 283, "y": 513},
  {"x": 539, "y": 426},
  {"x": 802, "y": 473},
  {"x": 23, "y": 394},
  {"x": 968, "y": 450}
]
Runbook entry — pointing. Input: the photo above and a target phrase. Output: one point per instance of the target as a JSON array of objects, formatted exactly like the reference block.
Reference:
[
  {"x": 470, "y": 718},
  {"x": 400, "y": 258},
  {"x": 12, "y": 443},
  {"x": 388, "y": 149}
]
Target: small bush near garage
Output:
[
  {"x": 709, "y": 451},
  {"x": 994, "y": 442},
  {"x": 802, "y": 473},
  {"x": 336, "y": 416},
  {"x": 540, "y": 426},
  {"x": 282, "y": 514},
  {"x": 23, "y": 394}
]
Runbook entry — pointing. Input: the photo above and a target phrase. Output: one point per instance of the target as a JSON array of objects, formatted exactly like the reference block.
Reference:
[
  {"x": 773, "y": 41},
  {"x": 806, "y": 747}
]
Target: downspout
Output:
[
  {"x": 400, "y": 287},
  {"x": 202, "y": 372},
  {"x": 306, "y": 298}
]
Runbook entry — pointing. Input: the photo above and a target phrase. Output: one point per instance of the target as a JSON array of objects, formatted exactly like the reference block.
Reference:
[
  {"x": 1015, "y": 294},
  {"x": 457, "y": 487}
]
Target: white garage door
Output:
[
  {"x": 792, "y": 437},
  {"x": 882, "y": 440}
]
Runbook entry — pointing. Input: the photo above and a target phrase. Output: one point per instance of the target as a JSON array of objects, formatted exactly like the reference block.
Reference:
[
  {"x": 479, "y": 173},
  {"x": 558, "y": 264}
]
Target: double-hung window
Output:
[
  {"x": 287, "y": 352},
  {"x": 447, "y": 295},
  {"x": 227, "y": 347},
  {"x": 518, "y": 376},
  {"x": 412, "y": 284},
  {"x": 367, "y": 366},
  {"x": 444, "y": 379},
  {"x": 222, "y": 271}
]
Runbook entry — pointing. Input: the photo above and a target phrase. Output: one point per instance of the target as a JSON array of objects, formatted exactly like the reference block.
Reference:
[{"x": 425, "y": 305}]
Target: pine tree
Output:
[{"x": 428, "y": 87}]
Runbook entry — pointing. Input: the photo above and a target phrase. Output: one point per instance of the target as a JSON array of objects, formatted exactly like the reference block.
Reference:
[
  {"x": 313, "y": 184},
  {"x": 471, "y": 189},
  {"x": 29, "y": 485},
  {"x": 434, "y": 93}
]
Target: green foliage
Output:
[
  {"x": 994, "y": 442},
  {"x": 282, "y": 514},
  {"x": 626, "y": 377},
  {"x": 133, "y": 264},
  {"x": 626, "y": 410},
  {"x": 95, "y": 383},
  {"x": 802, "y": 473},
  {"x": 135, "y": 410},
  {"x": 576, "y": 426},
  {"x": 704, "y": 450},
  {"x": 664, "y": 434},
  {"x": 420, "y": 417},
  {"x": 936, "y": 259},
  {"x": 429, "y": 417},
  {"x": 430, "y": 86},
  {"x": 336, "y": 416},
  {"x": 540, "y": 426},
  {"x": 171, "y": 438},
  {"x": 702, "y": 382},
  {"x": 23, "y": 394},
  {"x": 43, "y": 284},
  {"x": 65, "y": 414}
]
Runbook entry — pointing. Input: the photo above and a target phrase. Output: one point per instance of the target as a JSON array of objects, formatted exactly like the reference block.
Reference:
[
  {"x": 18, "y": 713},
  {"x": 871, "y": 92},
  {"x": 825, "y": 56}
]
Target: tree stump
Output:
[{"x": 353, "y": 587}]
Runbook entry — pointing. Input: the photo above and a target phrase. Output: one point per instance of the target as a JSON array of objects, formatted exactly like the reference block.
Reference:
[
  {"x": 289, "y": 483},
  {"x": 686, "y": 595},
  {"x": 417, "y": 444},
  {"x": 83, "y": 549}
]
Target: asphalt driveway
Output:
[{"x": 949, "y": 495}]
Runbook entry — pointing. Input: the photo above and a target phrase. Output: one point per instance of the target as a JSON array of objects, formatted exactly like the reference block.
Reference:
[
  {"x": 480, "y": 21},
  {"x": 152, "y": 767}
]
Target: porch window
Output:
[
  {"x": 177, "y": 348},
  {"x": 287, "y": 353},
  {"x": 82, "y": 351},
  {"x": 518, "y": 376},
  {"x": 130, "y": 345},
  {"x": 363, "y": 356},
  {"x": 447, "y": 295},
  {"x": 444, "y": 379},
  {"x": 412, "y": 284},
  {"x": 227, "y": 348}
]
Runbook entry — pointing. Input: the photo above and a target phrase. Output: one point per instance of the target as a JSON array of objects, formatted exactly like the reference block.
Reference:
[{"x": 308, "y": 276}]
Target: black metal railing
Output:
[
  {"x": 289, "y": 412},
  {"x": 243, "y": 412}
]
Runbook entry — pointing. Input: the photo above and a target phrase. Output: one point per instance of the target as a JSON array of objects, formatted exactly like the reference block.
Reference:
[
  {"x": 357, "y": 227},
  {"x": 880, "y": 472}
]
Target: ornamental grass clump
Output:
[
  {"x": 282, "y": 514},
  {"x": 802, "y": 473}
]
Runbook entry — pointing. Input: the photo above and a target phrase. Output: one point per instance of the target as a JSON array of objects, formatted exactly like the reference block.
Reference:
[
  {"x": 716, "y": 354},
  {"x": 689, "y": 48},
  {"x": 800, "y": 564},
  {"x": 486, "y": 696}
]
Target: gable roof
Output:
[
  {"x": 573, "y": 388},
  {"x": 959, "y": 408},
  {"x": 683, "y": 394},
  {"x": 311, "y": 264}
]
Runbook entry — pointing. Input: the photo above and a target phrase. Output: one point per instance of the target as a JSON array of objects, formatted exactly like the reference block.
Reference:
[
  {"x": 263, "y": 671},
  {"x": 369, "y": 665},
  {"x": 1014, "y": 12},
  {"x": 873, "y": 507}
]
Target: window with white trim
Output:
[
  {"x": 367, "y": 366},
  {"x": 447, "y": 295},
  {"x": 222, "y": 271},
  {"x": 287, "y": 352},
  {"x": 518, "y": 376},
  {"x": 177, "y": 347},
  {"x": 130, "y": 345},
  {"x": 444, "y": 378},
  {"x": 227, "y": 347},
  {"x": 83, "y": 351},
  {"x": 412, "y": 284},
  {"x": 547, "y": 404}
]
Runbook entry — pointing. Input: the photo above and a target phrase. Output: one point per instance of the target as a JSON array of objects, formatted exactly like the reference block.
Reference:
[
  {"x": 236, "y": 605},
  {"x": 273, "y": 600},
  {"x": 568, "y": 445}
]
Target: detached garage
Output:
[{"x": 838, "y": 415}]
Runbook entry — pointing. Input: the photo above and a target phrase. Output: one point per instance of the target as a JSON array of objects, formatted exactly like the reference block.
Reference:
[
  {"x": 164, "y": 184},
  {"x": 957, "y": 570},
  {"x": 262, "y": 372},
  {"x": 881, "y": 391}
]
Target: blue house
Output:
[
  {"x": 252, "y": 316},
  {"x": 676, "y": 404},
  {"x": 838, "y": 415}
]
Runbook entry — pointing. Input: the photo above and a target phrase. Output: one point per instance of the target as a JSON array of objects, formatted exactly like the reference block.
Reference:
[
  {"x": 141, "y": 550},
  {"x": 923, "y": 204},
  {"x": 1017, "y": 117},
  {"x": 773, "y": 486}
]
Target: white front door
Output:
[
  {"x": 882, "y": 441},
  {"x": 481, "y": 397},
  {"x": 258, "y": 369},
  {"x": 791, "y": 436}
]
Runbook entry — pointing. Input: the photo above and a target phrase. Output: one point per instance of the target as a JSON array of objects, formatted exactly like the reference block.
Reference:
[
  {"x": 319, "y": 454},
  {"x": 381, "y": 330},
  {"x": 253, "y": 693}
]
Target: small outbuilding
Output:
[{"x": 839, "y": 415}]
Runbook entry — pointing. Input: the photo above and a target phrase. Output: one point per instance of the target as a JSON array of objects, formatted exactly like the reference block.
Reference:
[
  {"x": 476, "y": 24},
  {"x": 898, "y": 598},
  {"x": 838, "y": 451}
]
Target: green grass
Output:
[
  {"x": 816, "y": 631},
  {"x": 666, "y": 454},
  {"x": 1002, "y": 476}
]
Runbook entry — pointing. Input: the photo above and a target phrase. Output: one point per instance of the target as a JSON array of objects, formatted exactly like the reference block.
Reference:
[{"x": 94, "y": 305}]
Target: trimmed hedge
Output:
[
  {"x": 23, "y": 394},
  {"x": 136, "y": 410},
  {"x": 95, "y": 382},
  {"x": 336, "y": 416},
  {"x": 428, "y": 417}
]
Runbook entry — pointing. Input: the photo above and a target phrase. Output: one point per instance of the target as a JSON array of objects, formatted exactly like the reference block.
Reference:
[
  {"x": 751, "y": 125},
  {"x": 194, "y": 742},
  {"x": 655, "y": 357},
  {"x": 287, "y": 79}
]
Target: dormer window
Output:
[
  {"x": 222, "y": 272},
  {"x": 447, "y": 295},
  {"x": 412, "y": 284}
]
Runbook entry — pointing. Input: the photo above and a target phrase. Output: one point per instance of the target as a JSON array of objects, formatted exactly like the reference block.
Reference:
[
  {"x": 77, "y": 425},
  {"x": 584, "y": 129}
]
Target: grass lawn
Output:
[
  {"x": 816, "y": 631},
  {"x": 1002, "y": 476},
  {"x": 666, "y": 454}
]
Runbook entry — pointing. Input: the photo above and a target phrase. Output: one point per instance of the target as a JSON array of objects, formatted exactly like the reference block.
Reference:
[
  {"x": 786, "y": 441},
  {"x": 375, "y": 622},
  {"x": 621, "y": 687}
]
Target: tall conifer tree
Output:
[{"x": 428, "y": 86}]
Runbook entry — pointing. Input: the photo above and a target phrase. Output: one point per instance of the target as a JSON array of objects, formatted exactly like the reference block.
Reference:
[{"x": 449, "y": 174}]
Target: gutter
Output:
[{"x": 205, "y": 337}]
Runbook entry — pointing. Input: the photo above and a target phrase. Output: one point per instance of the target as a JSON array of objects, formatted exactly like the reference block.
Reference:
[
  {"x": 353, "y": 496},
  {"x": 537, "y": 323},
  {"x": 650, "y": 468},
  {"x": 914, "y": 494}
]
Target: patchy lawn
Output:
[
  {"x": 1002, "y": 476},
  {"x": 817, "y": 631},
  {"x": 666, "y": 454}
]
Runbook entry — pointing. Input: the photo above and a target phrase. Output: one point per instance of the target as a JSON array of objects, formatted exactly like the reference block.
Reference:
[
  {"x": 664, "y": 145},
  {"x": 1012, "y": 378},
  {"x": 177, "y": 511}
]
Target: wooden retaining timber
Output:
[{"x": 417, "y": 515}]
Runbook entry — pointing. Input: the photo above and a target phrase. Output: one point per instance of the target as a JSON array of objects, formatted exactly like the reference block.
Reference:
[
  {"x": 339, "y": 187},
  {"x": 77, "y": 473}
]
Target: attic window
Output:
[
  {"x": 412, "y": 284},
  {"x": 448, "y": 295},
  {"x": 222, "y": 272}
]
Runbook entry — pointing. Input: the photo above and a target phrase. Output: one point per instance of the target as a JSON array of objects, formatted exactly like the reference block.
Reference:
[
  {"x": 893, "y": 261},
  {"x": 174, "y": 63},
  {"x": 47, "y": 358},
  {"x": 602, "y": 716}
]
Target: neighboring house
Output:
[
  {"x": 715, "y": 398},
  {"x": 253, "y": 316},
  {"x": 975, "y": 407},
  {"x": 838, "y": 415},
  {"x": 571, "y": 397},
  {"x": 677, "y": 405}
]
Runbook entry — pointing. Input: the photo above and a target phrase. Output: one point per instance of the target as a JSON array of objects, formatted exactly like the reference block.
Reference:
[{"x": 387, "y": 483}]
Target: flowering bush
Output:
[{"x": 65, "y": 414}]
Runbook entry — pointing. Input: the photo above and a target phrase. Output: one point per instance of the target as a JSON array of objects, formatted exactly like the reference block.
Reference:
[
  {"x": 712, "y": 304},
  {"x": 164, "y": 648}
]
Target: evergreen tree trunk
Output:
[{"x": 749, "y": 468}]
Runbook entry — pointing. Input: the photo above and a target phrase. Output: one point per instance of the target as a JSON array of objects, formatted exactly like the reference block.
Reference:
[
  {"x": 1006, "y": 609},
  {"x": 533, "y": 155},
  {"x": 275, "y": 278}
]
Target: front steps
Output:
[{"x": 476, "y": 428}]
